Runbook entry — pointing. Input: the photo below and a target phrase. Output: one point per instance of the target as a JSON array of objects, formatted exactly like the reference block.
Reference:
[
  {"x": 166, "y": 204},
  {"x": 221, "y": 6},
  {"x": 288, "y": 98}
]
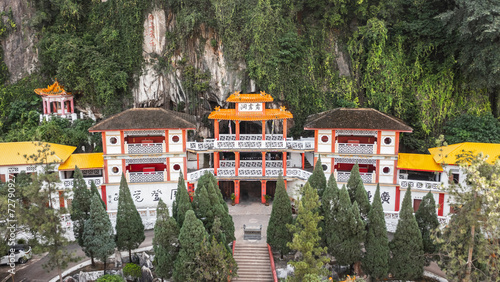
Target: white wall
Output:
[
  {"x": 143, "y": 194},
  {"x": 387, "y": 149},
  {"x": 325, "y": 147},
  {"x": 112, "y": 148},
  {"x": 386, "y": 177},
  {"x": 175, "y": 146}
]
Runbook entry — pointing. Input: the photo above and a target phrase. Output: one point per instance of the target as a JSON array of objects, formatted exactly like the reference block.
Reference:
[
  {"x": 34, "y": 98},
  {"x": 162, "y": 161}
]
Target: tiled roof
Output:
[
  {"x": 146, "y": 118},
  {"x": 357, "y": 118},
  {"x": 83, "y": 161},
  {"x": 417, "y": 162},
  {"x": 448, "y": 154},
  {"x": 269, "y": 114},
  {"x": 13, "y": 153},
  {"x": 52, "y": 90},
  {"x": 236, "y": 97}
]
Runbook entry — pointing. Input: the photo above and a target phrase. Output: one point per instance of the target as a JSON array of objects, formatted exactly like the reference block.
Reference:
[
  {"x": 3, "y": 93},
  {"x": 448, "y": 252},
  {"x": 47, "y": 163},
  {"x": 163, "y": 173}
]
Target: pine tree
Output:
[
  {"x": 80, "y": 207},
  {"x": 183, "y": 203},
  {"x": 357, "y": 191},
  {"x": 165, "y": 242},
  {"x": 227, "y": 224},
  {"x": 278, "y": 234},
  {"x": 346, "y": 242},
  {"x": 407, "y": 249},
  {"x": 203, "y": 208},
  {"x": 93, "y": 189},
  {"x": 129, "y": 226},
  {"x": 376, "y": 259},
  {"x": 427, "y": 221},
  {"x": 191, "y": 237},
  {"x": 214, "y": 262},
  {"x": 98, "y": 235},
  {"x": 329, "y": 206},
  {"x": 318, "y": 179},
  {"x": 306, "y": 239}
]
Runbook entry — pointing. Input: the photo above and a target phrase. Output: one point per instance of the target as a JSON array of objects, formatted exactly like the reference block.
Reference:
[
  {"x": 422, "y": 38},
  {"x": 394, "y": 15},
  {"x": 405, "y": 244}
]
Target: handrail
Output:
[
  {"x": 273, "y": 267},
  {"x": 234, "y": 244}
]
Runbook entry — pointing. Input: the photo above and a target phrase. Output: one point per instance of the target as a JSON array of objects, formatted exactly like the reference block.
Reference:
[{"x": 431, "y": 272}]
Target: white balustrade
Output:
[
  {"x": 68, "y": 183},
  {"x": 420, "y": 184},
  {"x": 195, "y": 175},
  {"x": 350, "y": 148},
  {"x": 141, "y": 177},
  {"x": 144, "y": 148},
  {"x": 392, "y": 218},
  {"x": 250, "y": 141},
  {"x": 366, "y": 177},
  {"x": 225, "y": 172},
  {"x": 253, "y": 172}
]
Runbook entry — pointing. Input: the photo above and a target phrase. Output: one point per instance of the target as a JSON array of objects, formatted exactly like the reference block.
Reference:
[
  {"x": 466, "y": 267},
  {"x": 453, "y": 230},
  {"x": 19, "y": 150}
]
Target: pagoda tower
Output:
[{"x": 56, "y": 101}]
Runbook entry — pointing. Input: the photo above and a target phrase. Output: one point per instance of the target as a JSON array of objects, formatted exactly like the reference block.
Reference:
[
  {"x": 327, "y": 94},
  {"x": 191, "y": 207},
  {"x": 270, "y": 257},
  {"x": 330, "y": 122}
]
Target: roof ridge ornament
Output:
[
  {"x": 262, "y": 93},
  {"x": 282, "y": 108},
  {"x": 237, "y": 93},
  {"x": 217, "y": 108}
]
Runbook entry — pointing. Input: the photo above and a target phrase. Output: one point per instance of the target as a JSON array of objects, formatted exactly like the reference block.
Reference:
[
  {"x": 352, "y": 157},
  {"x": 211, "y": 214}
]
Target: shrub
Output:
[
  {"x": 110, "y": 278},
  {"x": 133, "y": 270}
]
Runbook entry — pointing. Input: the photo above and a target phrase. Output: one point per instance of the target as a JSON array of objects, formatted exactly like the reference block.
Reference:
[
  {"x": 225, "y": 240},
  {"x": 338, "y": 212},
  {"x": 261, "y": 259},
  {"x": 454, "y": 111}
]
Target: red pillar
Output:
[
  {"x": 62, "y": 107},
  {"x": 216, "y": 162},
  {"x": 333, "y": 141},
  {"x": 263, "y": 191},
  {"x": 237, "y": 125},
  {"x": 377, "y": 171},
  {"x": 263, "y": 130},
  {"x": 103, "y": 195},
  {"x": 263, "y": 163},
  {"x": 72, "y": 106},
  {"x": 168, "y": 169},
  {"x": 441, "y": 204},
  {"x": 197, "y": 161},
  {"x": 237, "y": 162},
  {"x": 54, "y": 107},
  {"x": 303, "y": 159},
  {"x": 284, "y": 164},
  {"x": 398, "y": 196},
  {"x": 216, "y": 129},
  {"x": 166, "y": 141},
  {"x": 285, "y": 129},
  {"x": 379, "y": 141},
  {"x": 286, "y": 184},
  {"x": 237, "y": 191}
]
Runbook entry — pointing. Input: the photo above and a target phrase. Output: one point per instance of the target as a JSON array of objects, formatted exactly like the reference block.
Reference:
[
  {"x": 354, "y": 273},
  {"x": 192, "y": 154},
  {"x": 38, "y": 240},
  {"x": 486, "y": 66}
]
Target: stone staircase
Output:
[{"x": 253, "y": 262}]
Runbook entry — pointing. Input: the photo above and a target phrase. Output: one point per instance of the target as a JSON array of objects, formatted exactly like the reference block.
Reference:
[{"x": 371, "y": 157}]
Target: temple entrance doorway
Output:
[
  {"x": 271, "y": 188},
  {"x": 226, "y": 188},
  {"x": 250, "y": 191}
]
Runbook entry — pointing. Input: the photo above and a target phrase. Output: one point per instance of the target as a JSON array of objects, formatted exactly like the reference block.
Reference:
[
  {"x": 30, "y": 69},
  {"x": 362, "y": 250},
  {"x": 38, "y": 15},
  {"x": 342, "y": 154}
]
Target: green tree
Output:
[
  {"x": 473, "y": 128},
  {"x": 407, "y": 261},
  {"x": 227, "y": 224},
  {"x": 203, "y": 208},
  {"x": 165, "y": 242},
  {"x": 306, "y": 239},
  {"x": 376, "y": 258},
  {"x": 182, "y": 201},
  {"x": 278, "y": 235},
  {"x": 80, "y": 207},
  {"x": 318, "y": 179},
  {"x": 357, "y": 191},
  {"x": 129, "y": 226},
  {"x": 93, "y": 189},
  {"x": 98, "y": 236},
  {"x": 466, "y": 253},
  {"x": 191, "y": 237},
  {"x": 428, "y": 223},
  {"x": 214, "y": 261},
  {"x": 329, "y": 210}
]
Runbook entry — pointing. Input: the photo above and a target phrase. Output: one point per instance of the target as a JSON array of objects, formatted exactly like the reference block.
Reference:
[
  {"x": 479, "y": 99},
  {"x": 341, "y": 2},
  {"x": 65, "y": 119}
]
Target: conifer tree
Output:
[
  {"x": 407, "y": 261},
  {"x": 329, "y": 206},
  {"x": 129, "y": 226},
  {"x": 183, "y": 203},
  {"x": 203, "y": 208},
  {"x": 427, "y": 221},
  {"x": 165, "y": 242},
  {"x": 214, "y": 262},
  {"x": 98, "y": 235},
  {"x": 93, "y": 189},
  {"x": 191, "y": 237},
  {"x": 376, "y": 259},
  {"x": 357, "y": 191},
  {"x": 80, "y": 207},
  {"x": 318, "y": 179},
  {"x": 278, "y": 235},
  {"x": 227, "y": 224},
  {"x": 306, "y": 239},
  {"x": 346, "y": 241}
]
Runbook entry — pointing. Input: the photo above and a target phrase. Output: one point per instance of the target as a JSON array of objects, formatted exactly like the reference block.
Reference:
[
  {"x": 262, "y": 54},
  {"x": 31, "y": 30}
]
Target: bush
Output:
[
  {"x": 133, "y": 270},
  {"x": 110, "y": 278}
]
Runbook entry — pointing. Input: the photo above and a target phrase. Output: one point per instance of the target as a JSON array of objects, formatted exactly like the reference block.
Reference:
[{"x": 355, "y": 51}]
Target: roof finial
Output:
[
  {"x": 282, "y": 108},
  {"x": 217, "y": 108},
  {"x": 237, "y": 93},
  {"x": 262, "y": 93}
]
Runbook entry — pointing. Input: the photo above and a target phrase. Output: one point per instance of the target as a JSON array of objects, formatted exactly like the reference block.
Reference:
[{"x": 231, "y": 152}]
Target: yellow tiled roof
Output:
[
  {"x": 417, "y": 162},
  {"x": 269, "y": 114},
  {"x": 448, "y": 154},
  {"x": 13, "y": 153},
  {"x": 52, "y": 90},
  {"x": 236, "y": 97},
  {"x": 83, "y": 161}
]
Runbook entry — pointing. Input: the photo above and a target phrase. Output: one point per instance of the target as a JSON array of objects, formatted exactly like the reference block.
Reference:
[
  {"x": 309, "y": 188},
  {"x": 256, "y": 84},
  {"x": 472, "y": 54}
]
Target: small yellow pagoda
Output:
[{"x": 56, "y": 100}]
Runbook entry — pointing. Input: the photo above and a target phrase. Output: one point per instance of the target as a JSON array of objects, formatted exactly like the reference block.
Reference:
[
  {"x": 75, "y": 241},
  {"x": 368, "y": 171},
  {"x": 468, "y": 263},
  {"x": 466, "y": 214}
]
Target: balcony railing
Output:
[
  {"x": 392, "y": 218},
  {"x": 142, "y": 177},
  {"x": 195, "y": 175},
  {"x": 350, "y": 148},
  {"x": 251, "y": 142},
  {"x": 249, "y": 172},
  {"x": 366, "y": 177},
  {"x": 144, "y": 148},
  {"x": 68, "y": 183},
  {"x": 419, "y": 184},
  {"x": 253, "y": 164}
]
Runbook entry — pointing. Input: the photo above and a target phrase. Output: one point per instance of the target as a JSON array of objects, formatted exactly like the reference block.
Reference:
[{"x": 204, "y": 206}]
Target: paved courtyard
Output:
[{"x": 250, "y": 213}]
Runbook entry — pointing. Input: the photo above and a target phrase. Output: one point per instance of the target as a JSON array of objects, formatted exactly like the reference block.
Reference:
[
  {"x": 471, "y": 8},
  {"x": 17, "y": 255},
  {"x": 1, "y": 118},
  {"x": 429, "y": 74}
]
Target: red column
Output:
[
  {"x": 263, "y": 163},
  {"x": 184, "y": 140},
  {"x": 333, "y": 141},
  {"x": 103, "y": 195},
  {"x": 216, "y": 162},
  {"x": 332, "y": 170},
  {"x": 441, "y": 204},
  {"x": 185, "y": 168},
  {"x": 315, "y": 140},
  {"x": 303, "y": 159},
  {"x": 284, "y": 164},
  {"x": 237, "y": 125},
  {"x": 197, "y": 161},
  {"x": 263, "y": 130},
  {"x": 122, "y": 139},
  {"x": 379, "y": 141},
  {"x": 286, "y": 184},
  {"x": 263, "y": 191},
  {"x": 237, "y": 191},
  {"x": 397, "y": 143},
  {"x": 166, "y": 141},
  {"x": 377, "y": 171},
  {"x": 72, "y": 106},
  {"x": 216, "y": 129},
  {"x": 285, "y": 129},
  {"x": 54, "y": 106},
  {"x": 62, "y": 107},
  {"x": 168, "y": 169},
  {"x": 237, "y": 162},
  {"x": 398, "y": 196}
]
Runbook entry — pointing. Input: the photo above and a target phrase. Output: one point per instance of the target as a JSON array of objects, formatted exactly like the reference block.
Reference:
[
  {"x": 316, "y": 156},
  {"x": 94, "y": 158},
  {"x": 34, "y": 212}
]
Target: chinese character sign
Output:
[{"x": 249, "y": 107}]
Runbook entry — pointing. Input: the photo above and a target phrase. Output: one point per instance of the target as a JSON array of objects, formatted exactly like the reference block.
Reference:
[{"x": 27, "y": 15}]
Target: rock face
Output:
[
  {"x": 20, "y": 54},
  {"x": 160, "y": 87}
]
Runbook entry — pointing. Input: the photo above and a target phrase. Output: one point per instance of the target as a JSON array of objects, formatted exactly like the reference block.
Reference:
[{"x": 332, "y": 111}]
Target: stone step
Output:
[{"x": 253, "y": 263}]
